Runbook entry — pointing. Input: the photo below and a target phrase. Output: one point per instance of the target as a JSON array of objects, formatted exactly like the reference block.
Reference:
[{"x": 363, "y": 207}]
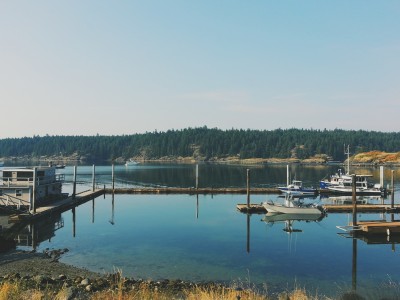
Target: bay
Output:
[{"x": 204, "y": 237}]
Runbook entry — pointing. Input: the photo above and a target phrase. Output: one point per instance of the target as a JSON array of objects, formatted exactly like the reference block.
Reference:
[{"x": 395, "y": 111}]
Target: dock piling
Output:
[
  {"x": 93, "y": 178},
  {"x": 74, "y": 184},
  {"x": 248, "y": 188},
  {"x": 112, "y": 177},
  {"x": 354, "y": 200}
]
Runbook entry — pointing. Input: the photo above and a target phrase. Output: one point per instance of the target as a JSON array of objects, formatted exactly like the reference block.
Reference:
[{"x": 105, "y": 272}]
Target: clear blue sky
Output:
[{"x": 124, "y": 67}]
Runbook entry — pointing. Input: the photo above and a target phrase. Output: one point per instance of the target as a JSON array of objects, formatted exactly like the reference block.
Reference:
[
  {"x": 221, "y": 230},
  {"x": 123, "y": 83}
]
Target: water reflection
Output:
[{"x": 30, "y": 235}]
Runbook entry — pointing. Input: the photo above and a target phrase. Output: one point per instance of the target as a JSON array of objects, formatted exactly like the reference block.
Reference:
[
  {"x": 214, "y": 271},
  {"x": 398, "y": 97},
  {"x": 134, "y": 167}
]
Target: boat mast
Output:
[{"x": 347, "y": 152}]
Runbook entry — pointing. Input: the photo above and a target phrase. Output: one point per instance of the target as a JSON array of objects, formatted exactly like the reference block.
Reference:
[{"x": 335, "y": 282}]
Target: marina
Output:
[{"x": 177, "y": 230}]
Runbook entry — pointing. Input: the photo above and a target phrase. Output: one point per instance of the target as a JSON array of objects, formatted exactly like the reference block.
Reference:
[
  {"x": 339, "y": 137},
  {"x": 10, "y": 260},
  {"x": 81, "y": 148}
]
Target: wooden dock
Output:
[
  {"x": 362, "y": 208},
  {"x": 191, "y": 190},
  {"x": 379, "y": 227},
  {"x": 58, "y": 206}
]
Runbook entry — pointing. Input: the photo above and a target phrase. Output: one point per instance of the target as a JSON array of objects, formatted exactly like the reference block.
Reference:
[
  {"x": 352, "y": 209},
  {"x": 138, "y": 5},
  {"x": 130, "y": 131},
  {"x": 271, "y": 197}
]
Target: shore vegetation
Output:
[{"x": 204, "y": 144}]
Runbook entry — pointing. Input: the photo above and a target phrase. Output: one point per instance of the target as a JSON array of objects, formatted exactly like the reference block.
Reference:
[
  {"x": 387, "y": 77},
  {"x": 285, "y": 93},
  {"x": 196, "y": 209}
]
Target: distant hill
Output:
[{"x": 205, "y": 144}]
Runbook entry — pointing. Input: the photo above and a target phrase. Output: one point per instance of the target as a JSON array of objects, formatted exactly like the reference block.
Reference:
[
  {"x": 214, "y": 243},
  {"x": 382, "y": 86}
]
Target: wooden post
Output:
[
  {"x": 74, "y": 184},
  {"x": 34, "y": 191},
  {"x": 197, "y": 176},
  {"x": 287, "y": 175},
  {"x": 93, "y": 178},
  {"x": 392, "y": 196},
  {"x": 354, "y": 198},
  {"x": 248, "y": 189},
  {"x": 112, "y": 177},
  {"x": 392, "y": 191}
]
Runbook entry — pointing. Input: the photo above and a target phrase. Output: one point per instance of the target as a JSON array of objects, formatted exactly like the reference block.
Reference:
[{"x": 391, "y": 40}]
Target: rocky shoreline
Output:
[
  {"x": 43, "y": 271},
  {"x": 372, "y": 158}
]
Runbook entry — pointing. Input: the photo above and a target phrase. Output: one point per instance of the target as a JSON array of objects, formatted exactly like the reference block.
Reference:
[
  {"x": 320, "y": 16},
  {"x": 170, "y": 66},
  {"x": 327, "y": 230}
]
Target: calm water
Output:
[{"x": 205, "y": 238}]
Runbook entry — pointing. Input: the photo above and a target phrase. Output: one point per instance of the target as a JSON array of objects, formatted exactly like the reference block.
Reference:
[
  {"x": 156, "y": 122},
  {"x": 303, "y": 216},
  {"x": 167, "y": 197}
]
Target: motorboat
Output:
[
  {"x": 333, "y": 180},
  {"x": 131, "y": 162},
  {"x": 296, "y": 188},
  {"x": 363, "y": 187},
  {"x": 292, "y": 207}
]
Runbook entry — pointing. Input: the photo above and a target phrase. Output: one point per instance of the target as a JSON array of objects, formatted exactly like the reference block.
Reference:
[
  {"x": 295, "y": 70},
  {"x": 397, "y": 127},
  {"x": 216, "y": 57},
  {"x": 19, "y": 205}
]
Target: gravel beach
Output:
[{"x": 32, "y": 263}]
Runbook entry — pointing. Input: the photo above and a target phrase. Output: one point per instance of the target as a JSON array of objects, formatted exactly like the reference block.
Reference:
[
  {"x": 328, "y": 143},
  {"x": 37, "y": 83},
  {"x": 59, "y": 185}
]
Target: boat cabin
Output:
[{"x": 22, "y": 186}]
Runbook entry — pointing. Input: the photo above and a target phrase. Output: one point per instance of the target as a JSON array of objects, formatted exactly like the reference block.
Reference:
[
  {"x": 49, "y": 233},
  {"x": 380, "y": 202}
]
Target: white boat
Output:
[
  {"x": 340, "y": 183},
  {"x": 131, "y": 162},
  {"x": 333, "y": 180},
  {"x": 292, "y": 207},
  {"x": 363, "y": 187},
  {"x": 296, "y": 188}
]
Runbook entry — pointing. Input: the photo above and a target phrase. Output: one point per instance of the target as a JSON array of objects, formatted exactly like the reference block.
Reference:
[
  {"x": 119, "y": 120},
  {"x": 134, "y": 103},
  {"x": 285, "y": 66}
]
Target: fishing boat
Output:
[
  {"x": 333, "y": 180},
  {"x": 296, "y": 188},
  {"x": 363, "y": 187},
  {"x": 292, "y": 206},
  {"x": 342, "y": 183}
]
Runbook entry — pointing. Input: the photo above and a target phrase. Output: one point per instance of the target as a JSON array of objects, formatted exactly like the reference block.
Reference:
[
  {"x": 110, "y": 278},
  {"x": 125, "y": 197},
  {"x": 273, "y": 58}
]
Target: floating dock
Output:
[
  {"x": 362, "y": 208},
  {"x": 192, "y": 190},
  {"x": 379, "y": 227}
]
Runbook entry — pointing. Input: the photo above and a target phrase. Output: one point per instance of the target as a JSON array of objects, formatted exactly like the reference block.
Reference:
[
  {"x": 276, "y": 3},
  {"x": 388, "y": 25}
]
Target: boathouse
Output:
[{"x": 28, "y": 187}]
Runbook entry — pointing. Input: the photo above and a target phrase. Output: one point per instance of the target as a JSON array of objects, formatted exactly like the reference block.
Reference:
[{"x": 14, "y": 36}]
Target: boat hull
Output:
[
  {"x": 349, "y": 191},
  {"x": 283, "y": 209}
]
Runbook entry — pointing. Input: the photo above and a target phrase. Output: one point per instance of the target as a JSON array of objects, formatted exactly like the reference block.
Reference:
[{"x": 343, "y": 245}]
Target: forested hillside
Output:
[{"x": 205, "y": 144}]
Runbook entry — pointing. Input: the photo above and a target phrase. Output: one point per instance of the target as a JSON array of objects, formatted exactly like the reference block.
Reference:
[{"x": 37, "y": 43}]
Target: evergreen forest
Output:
[{"x": 207, "y": 143}]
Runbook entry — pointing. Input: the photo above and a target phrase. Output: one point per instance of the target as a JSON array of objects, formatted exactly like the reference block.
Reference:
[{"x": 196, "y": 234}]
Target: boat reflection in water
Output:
[
  {"x": 289, "y": 220},
  {"x": 348, "y": 200}
]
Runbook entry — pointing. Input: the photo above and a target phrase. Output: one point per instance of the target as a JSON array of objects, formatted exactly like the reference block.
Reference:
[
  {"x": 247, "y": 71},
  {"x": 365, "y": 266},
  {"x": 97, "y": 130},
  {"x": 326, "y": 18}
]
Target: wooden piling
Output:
[
  {"x": 354, "y": 198},
  {"x": 392, "y": 196},
  {"x": 248, "y": 188},
  {"x": 74, "y": 184},
  {"x": 112, "y": 177},
  {"x": 197, "y": 176},
  {"x": 34, "y": 191},
  {"x": 93, "y": 178}
]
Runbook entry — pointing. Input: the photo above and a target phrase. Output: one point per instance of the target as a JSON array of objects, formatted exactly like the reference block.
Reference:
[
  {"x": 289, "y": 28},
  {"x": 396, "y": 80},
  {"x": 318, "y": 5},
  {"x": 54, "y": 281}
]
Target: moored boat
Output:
[
  {"x": 292, "y": 207},
  {"x": 296, "y": 188}
]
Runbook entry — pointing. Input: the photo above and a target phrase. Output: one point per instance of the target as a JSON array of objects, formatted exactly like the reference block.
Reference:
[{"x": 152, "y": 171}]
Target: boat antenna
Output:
[{"x": 347, "y": 152}]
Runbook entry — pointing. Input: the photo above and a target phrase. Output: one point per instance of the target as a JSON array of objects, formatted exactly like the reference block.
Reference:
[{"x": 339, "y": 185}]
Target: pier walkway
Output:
[{"x": 58, "y": 206}]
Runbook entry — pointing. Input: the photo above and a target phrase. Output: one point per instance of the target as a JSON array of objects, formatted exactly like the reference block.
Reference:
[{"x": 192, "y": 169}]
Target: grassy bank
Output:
[{"x": 17, "y": 290}]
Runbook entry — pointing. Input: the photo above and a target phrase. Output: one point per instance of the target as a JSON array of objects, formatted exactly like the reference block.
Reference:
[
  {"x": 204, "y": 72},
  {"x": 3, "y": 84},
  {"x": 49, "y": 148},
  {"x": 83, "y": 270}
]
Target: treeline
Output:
[{"x": 206, "y": 143}]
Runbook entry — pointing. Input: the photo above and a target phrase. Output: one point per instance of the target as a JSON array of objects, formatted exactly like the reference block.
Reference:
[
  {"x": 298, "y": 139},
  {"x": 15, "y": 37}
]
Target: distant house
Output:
[{"x": 27, "y": 186}]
